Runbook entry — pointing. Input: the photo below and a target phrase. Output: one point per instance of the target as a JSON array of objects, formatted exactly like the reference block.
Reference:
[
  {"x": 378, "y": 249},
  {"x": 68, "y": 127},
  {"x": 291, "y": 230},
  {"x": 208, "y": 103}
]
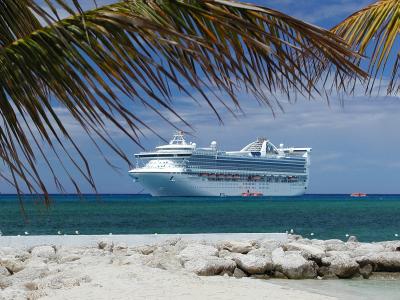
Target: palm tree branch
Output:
[
  {"x": 374, "y": 31},
  {"x": 141, "y": 49}
]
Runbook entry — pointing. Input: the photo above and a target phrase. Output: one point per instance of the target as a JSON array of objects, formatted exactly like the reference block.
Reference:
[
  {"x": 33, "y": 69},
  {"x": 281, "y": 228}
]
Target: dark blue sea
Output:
[{"x": 373, "y": 218}]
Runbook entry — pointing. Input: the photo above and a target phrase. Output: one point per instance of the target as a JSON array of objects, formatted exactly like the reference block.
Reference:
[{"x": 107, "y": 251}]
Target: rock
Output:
[
  {"x": 293, "y": 265},
  {"x": 4, "y": 271},
  {"x": 237, "y": 247},
  {"x": 145, "y": 250},
  {"x": 367, "y": 249},
  {"x": 120, "y": 247},
  {"x": 335, "y": 245},
  {"x": 366, "y": 271},
  {"x": 15, "y": 252},
  {"x": 238, "y": 273},
  {"x": 31, "y": 285},
  {"x": 47, "y": 252},
  {"x": 326, "y": 273},
  {"x": 391, "y": 246},
  {"x": 309, "y": 252},
  {"x": 12, "y": 265},
  {"x": 208, "y": 266},
  {"x": 69, "y": 258},
  {"x": 294, "y": 237},
  {"x": 105, "y": 244},
  {"x": 33, "y": 270},
  {"x": 383, "y": 261},
  {"x": 194, "y": 251},
  {"x": 271, "y": 245},
  {"x": 163, "y": 260},
  {"x": 277, "y": 255},
  {"x": 254, "y": 264},
  {"x": 341, "y": 264},
  {"x": 352, "y": 239},
  {"x": 173, "y": 241},
  {"x": 227, "y": 254},
  {"x": 5, "y": 282},
  {"x": 260, "y": 252}
]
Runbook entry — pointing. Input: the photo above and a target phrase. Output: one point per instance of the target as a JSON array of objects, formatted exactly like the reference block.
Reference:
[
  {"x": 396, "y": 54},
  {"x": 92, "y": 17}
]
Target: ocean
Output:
[{"x": 374, "y": 218}]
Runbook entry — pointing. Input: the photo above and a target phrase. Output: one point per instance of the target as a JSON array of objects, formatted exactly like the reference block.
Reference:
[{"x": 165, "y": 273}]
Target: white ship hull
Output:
[
  {"x": 259, "y": 169},
  {"x": 180, "y": 184}
]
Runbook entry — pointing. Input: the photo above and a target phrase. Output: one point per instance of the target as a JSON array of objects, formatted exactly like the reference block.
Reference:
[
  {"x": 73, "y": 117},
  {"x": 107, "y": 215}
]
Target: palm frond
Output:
[
  {"x": 142, "y": 49},
  {"x": 374, "y": 32}
]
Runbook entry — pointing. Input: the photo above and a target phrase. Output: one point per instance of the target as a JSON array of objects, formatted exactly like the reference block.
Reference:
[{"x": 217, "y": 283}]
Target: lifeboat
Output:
[
  {"x": 248, "y": 194},
  {"x": 212, "y": 176},
  {"x": 204, "y": 174},
  {"x": 358, "y": 195},
  {"x": 256, "y": 178}
]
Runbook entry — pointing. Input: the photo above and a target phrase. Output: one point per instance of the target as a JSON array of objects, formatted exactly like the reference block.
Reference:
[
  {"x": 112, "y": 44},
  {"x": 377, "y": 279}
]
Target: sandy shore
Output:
[
  {"x": 169, "y": 267},
  {"x": 135, "y": 281}
]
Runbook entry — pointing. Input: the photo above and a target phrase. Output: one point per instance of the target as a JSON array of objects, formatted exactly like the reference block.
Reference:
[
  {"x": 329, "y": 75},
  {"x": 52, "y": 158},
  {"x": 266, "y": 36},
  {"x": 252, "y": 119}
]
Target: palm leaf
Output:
[
  {"x": 142, "y": 49},
  {"x": 374, "y": 32}
]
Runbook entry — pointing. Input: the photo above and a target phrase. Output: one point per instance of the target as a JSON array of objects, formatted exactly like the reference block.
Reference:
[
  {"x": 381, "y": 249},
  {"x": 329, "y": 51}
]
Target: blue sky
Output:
[{"x": 354, "y": 145}]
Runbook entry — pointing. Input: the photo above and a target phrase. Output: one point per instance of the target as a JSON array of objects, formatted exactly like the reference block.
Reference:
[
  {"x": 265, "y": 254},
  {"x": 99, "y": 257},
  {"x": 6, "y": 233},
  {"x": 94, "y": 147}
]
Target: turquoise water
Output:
[
  {"x": 373, "y": 218},
  {"x": 356, "y": 289}
]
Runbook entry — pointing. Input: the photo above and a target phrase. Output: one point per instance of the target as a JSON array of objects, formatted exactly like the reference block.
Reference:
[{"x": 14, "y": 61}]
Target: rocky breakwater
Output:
[
  {"x": 31, "y": 273},
  {"x": 297, "y": 258}
]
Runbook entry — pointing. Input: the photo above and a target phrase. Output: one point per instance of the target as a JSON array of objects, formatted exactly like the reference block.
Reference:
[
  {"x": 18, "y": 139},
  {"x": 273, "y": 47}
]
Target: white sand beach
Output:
[{"x": 173, "y": 267}]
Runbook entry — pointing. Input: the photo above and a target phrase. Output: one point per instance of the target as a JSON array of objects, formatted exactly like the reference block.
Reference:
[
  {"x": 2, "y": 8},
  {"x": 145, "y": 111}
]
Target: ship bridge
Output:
[{"x": 177, "y": 147}]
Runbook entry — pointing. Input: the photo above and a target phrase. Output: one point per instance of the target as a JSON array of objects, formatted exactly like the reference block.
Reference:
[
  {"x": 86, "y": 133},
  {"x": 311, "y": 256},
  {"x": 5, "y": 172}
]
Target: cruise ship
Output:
[{"x": 259, "y": 169}]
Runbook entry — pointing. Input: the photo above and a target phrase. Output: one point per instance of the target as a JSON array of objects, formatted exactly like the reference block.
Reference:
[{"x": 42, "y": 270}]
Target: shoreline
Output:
[{"x": 196, "y": 266}]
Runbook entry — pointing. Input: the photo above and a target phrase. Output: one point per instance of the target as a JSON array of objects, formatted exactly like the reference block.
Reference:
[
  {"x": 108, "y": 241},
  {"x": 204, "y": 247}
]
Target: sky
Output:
[{"x": 354, "y": 139}]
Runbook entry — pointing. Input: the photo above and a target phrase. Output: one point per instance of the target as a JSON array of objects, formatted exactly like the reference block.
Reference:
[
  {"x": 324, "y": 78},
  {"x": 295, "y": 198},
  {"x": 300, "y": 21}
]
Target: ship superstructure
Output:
[{"x": 259, "y": 169}]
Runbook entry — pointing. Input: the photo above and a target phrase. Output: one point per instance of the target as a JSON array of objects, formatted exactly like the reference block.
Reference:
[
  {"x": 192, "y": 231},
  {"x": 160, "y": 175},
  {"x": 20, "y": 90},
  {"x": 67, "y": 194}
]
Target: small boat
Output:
[
  {"x": 358, "y": 195},
  {"x": 246, "y": 194}
]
